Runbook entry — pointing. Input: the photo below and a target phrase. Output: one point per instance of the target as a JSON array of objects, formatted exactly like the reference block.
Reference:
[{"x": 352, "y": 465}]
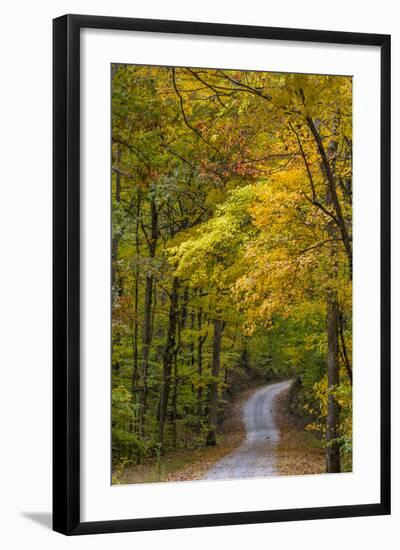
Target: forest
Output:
[{"x": 231, "y": 254}]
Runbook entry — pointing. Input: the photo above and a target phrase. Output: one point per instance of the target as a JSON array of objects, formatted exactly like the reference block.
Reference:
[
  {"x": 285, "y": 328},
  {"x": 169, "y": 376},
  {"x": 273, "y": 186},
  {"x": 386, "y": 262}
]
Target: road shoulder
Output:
[
  {"x": 193, "y": 464},
  {"x": 298, "y": 452}
]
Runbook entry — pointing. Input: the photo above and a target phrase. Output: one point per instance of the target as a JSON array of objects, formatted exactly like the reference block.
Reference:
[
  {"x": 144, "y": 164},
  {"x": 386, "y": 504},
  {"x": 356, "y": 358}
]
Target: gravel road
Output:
[{"x": 255, "y": 457}]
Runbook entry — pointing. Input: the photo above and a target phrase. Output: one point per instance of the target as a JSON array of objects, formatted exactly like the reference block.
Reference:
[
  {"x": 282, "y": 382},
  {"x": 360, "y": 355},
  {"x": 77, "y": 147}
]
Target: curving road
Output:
[{"x": 255, "y": 457}]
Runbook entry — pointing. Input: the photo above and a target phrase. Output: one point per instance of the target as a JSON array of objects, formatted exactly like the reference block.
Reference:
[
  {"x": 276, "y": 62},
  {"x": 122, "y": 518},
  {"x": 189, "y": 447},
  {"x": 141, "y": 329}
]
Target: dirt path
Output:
[{"x": 256, "y": 456}]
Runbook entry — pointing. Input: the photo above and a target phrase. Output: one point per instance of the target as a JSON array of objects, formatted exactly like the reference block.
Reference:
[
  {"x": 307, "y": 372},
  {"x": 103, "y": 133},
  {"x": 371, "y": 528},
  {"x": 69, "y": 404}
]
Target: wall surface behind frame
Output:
[{"x": 26, "y": 107}]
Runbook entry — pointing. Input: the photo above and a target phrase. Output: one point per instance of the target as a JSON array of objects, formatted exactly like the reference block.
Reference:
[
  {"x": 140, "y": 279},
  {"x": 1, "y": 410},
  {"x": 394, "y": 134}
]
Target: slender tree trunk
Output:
[
  {"x": 200, "y": 342},
  {"x": 332, "y": 421},
  {"x": 214, "y": 386},
  {"x": 334, "y": 200},
  {"x": 192, "y": 358},
  {"x": 332, "y": 324},
  {"x": 168, "y": 358},
  {"x": 345, "y": 356},
  {"x": 191, "y": 346},
  {"x": 177, "y": 352},
  {"x": 184, "y": 308},
  {"x": 115, "y": 277},
  {"x": 135, "y": 370},
  {"x": 146, "y": 342},
  {"x": 147, "y": 317},
  {"x": 116, "y": 235},
  {"x": 175, "y": 401}
]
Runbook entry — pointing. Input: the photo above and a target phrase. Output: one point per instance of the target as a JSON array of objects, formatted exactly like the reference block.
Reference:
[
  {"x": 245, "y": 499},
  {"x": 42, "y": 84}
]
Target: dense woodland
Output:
[{"x": 231, "y": 252}]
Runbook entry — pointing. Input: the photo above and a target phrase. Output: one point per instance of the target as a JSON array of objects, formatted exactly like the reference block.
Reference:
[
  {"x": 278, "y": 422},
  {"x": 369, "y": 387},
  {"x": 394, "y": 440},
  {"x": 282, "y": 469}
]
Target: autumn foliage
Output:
[{"x": 231, "y": 252}]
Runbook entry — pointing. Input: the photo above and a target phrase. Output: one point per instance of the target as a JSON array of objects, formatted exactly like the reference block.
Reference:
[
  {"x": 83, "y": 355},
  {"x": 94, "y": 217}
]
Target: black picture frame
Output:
[{"x": 66, "y": 272}]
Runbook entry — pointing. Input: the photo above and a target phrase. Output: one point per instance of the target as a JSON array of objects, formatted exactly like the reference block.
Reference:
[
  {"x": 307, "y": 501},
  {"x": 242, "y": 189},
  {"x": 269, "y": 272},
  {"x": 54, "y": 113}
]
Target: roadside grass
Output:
[
  {"x": 190, "y": 464},
  {"x": 347, "y": 463},
  {"x": 298, "y": 452},
  {"x": 184, "y": 465}
]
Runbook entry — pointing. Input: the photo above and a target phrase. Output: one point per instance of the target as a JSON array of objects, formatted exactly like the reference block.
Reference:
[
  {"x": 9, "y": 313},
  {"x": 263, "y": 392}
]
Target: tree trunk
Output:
[
  {"x": 146, "y": 342},
  {"x": 333, "y": 200},
  {"x": 200, "y": 342},
  {"x": 332, "y": 327},
  {"x": 191, "y": 345},
  {"x": 345, "y": 356},
  {"x": 147, "y": 317},
  {"x": 175, "y": 401},
  {"x": 332, "y": 421},
  {"x": 116, "y": 283},
  {"x": 200, "y": 365},
  {"x": 115, "y": 276},
  {"x": 135, "y": 335},
  {"x": 177, "y": 351},
  {"x": 214, "y": 386},
  {"x": 168, "y": 358}
]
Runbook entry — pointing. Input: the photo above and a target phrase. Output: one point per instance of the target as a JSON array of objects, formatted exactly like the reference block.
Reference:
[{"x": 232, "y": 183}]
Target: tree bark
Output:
[
  {"x": 332, "y": 421},
  {"x": 135, "y": 335},
  {"x": 191, "y": 345},
  {"x": 147, "y": 318},
  {"x": 177, "y": 352},
  {"x": 334, "y": 200},
  {"x": 332, "y": 327},
  {"x": 175, "y": 401},
  {"x": 345, "y": 356},
  {"x": 168, "y": 359},
  {"x": 214, "y": 386},
  {"x": 115, "y": 277},
  {"x": 200, "y": 342},
  {"x": 116, "y": 283}
]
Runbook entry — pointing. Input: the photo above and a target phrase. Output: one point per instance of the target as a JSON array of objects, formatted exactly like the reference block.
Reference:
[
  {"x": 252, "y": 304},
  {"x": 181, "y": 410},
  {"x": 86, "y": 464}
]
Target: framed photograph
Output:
[{"x": 221, "y": 274}]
